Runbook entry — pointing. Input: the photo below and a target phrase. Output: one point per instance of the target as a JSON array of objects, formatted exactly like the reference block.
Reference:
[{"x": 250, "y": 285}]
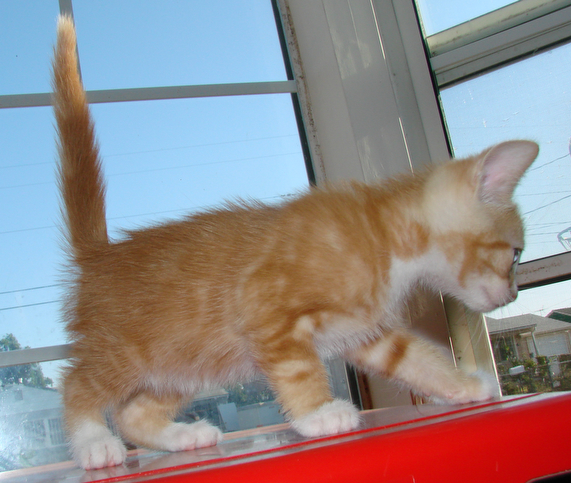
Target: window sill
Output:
[{"x": 513, "y": 439}]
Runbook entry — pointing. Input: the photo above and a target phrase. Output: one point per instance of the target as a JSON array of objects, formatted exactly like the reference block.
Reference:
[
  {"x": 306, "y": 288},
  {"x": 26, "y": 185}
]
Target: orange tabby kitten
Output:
[{"x": 222, "y": 295}]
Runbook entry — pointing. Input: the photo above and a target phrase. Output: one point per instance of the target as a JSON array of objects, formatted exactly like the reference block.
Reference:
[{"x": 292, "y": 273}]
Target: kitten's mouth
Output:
[
  {"x": 493, "y": 302},
  {"x": 486, "y": 302}
]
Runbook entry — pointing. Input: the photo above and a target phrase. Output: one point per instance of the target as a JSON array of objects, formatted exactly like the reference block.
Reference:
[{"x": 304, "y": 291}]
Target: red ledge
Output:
[{"x": 512, "y": 439}]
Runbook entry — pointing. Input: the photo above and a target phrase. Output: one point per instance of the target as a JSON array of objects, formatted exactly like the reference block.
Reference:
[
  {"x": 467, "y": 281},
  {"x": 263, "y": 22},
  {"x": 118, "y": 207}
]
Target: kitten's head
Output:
[{"x": 477, "y": 226}]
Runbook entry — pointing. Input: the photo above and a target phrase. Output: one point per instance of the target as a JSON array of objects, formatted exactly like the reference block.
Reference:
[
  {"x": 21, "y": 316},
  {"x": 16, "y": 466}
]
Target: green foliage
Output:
[
  {"x": 538, "y": 376},
  {"x": 27, "y": 374},
  {"x": 249, "y": 393}
]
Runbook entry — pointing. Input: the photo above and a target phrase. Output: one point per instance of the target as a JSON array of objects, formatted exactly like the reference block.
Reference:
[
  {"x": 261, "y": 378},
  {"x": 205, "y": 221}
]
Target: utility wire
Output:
[{"x": 31, "y": 288}]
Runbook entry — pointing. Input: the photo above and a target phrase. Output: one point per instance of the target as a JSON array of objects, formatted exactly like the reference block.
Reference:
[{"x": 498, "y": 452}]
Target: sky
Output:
[
  {"x": 162, "y": 158},
  {"x": 166, "y": 158},
  {"x": 439, "y": 15}
]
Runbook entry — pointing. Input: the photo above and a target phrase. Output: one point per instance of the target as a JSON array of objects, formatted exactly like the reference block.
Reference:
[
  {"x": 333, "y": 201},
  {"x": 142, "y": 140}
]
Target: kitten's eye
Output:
[
  {"x": 517, "y": 255},
  {"x": 515, "y": 262}
]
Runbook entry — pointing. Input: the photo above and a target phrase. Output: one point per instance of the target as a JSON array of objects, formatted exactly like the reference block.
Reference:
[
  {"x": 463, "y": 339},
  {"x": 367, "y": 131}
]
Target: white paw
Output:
[
  {"x": 94, "y": 446},
  {"x": 335, "y": 417},
  {"x": 476, "y": 387},
  {"x": 183, "y": 437}
]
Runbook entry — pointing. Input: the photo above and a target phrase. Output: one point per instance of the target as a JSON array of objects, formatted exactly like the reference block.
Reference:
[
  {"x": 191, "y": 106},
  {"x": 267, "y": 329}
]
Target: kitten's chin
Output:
[
  {"x": 484, "y": 308},
  {"x": 487, "y": 303},
  {"x": 485, "y": 296}
]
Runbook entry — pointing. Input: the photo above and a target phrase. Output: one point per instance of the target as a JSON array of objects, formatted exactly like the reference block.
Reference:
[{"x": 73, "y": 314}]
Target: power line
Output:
[
  {"x": 543, "y": 194},
  {"x": 182, "y": 211},
  {"x": 184, "y": 166},
  {"x": 28, "y": 305},
  {"x": 548, "y": 204},
  {"x": 31, "y": 288},
  {"x": 545, "y": 164},
  {"x": 105, "y": 156}
]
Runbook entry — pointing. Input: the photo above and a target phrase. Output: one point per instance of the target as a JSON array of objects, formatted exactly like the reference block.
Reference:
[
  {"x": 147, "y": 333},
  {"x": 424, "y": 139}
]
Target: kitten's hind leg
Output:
[
  {"x": 92, "y": 444},
  {"x": 147, "y": 420},
  {"x": 405, "y": 357}
]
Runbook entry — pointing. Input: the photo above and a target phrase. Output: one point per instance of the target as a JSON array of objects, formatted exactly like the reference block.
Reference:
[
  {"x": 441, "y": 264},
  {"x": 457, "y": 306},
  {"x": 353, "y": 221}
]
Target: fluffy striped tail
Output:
[{"x": 80, "y": 175}]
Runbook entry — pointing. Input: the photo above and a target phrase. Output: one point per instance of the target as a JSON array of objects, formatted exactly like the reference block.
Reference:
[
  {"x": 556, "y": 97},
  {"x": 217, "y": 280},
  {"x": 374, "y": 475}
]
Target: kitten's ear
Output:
[{"x": 502, "y": 167}]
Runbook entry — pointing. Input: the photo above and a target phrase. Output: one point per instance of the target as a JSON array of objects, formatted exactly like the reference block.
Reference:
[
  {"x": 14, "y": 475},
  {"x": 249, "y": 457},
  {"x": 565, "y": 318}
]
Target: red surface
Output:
[
  {"x": 513, "y": 440},
  {"x": 510, "y": 444}
]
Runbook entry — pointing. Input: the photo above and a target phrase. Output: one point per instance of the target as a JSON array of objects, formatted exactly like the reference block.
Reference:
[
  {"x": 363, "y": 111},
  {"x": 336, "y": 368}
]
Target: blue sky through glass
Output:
[
  {"x": 162, "y": 159},
  {"x": 439, "y": 15}
]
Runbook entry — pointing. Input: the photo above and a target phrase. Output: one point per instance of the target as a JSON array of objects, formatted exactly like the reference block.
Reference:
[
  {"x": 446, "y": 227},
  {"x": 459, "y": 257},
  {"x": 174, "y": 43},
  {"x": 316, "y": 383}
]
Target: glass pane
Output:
[
  {"x": 439, "y": 15},
  {"x": 166, "y": 158},
  {"x": 162, "y": 160},
  {"x": 30, "y": 257},
  {"x": 528, "y": 99},
  {"x": 27, "y": 33},
  {"x": 146, "y": 44},
  {"x": 31, "y": 423},
  {"x": 531, "y": 340}
]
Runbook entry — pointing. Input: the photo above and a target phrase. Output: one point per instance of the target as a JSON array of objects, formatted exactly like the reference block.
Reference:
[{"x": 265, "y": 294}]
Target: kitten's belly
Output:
[{"x": 204, "y": 370}]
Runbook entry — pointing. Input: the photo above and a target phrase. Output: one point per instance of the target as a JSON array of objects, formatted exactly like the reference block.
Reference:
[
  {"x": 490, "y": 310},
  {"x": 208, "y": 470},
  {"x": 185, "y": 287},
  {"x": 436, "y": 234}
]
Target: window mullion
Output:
[
  {"x": 486, "y": 53},
  {"x": 492, "y": 23},
  {"x": 37, "y": 354},
  {"x": 158, "y": 93},
  {"x": 544, "y": 271}
]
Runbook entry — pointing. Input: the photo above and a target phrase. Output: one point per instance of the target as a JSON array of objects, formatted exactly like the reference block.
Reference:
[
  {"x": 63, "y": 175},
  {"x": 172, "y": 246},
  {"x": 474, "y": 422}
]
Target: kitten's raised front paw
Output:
[
  {"x": 338, "y": 416},
  {"x": 97, "y": 451},
  {"x": 184, "y": 437},
  {"x": 476, "y": 387}
]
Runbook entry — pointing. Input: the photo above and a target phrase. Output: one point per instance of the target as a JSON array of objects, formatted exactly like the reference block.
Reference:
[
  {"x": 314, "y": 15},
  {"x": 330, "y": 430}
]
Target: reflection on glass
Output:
[
  {"x": 31, "y": 418},
  {"x": 439, "y": 15},
  {"x": 526, "y": 100},
  {"x": 531, "y": 340},
  {"x": 31, "y": 425}
]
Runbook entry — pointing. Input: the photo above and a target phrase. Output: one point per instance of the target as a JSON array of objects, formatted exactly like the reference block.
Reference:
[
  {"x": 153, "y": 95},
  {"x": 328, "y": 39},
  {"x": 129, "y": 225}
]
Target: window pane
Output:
[
  {"x": 439, "y": 15},
  {"x": 27, "y": 33},
  {"x": 531, "y": 340},
  {"x": 31, "y": 429},
  {"x": 31, "y": 423},
  {"x": 529, "y": 99},
  {"x": 166, "y": 158},
  {"x": 162, "y": 159},
  {"x": 30, "y": 257},
  {"x": 146, "y": 44}
]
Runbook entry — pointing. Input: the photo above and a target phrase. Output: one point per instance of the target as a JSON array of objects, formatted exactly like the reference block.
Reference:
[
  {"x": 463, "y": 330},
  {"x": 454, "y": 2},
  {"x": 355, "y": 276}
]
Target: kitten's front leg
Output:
[
  {"x": 300, "y": 380},
  {"x": 407, "y": 358}
]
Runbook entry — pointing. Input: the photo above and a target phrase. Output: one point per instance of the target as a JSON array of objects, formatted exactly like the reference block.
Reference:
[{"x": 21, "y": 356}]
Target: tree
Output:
[{"x": 27, "y": 374}]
